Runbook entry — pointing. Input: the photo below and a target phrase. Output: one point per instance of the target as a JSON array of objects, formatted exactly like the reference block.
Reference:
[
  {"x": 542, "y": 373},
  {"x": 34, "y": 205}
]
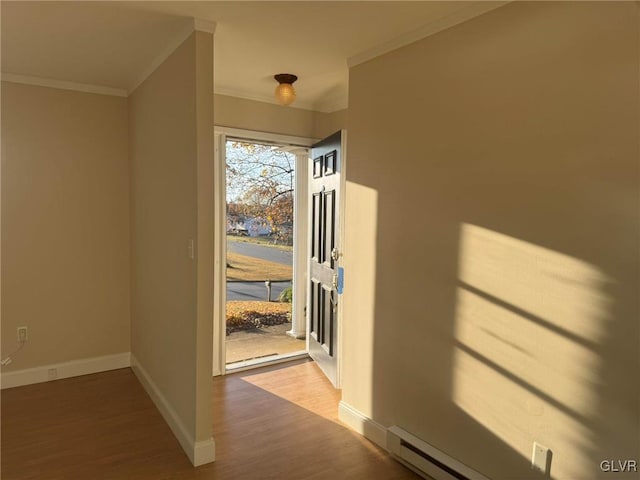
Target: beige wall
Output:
[
  {"x": 171, "y": 143},
  {"x": 267, "y": 117},
  {"x": 262, "y": 117},
  {"x": 65, "y": 224},
  {"x": 491, "y": 256},
  {"x": 324, "y": 124}
]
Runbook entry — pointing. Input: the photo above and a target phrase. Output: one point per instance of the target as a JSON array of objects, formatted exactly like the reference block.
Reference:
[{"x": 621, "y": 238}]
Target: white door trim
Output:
[
  {"x": 341, "y": 208},
  {"x": 220, "y": 245},
  {"x": 219, "y": 255},
  {"x": 266, "y": 136}
]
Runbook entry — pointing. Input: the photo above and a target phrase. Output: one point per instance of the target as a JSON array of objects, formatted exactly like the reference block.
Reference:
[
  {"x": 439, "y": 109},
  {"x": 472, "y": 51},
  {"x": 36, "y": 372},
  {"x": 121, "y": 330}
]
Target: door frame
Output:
[
  {"x": 301, "y": 232},
  {"x": 341, "y": 208}
]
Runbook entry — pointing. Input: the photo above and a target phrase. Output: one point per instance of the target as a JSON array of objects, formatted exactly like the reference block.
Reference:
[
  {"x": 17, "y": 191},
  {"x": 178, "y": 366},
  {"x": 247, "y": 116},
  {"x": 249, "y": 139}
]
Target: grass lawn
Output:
[
  {"x": 242, "y": 267},
  {"x": 264, "y": 241}
]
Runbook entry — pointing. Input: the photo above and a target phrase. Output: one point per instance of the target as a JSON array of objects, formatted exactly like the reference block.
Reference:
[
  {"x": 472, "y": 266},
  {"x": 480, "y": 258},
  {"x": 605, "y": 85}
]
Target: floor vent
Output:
[{"x": 426, "y": 459}]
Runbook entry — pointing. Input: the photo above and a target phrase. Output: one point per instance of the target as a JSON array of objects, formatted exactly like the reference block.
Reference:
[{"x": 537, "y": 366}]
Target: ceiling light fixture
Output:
[{"x": 285, "y": 94}]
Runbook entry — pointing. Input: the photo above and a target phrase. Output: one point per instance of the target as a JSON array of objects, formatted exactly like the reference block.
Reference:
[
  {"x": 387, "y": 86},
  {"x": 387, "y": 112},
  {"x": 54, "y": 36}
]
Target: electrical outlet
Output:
[
  {"x": 22, "y": 334},
  {"x": 541, "y": 458}
]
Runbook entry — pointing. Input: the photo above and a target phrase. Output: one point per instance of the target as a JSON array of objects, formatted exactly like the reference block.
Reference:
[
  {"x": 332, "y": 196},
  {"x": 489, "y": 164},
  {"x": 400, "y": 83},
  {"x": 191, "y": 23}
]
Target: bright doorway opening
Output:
[{"x": 260, "y": 224}]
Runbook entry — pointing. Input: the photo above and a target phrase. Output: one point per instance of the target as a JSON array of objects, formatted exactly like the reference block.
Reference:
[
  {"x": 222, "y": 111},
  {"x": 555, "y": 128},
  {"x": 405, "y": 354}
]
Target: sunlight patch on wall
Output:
[
  {"x": 527, "y": 329},
  {"x": 360, "y": 283}
]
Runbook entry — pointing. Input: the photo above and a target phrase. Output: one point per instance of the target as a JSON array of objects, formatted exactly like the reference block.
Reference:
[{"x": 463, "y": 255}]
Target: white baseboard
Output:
[
  {"x": 74, "y": 368},
  {"x": 204, "y": 452},
  {"x": 363, "y": 425},
  {"x": 198, "y": 452}
]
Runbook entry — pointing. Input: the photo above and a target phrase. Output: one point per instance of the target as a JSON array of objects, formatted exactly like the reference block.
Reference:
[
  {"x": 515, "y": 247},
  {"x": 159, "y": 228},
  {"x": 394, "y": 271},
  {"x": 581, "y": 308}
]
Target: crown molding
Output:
[
  {"x": 184, "y": 33},
  {"x": 467, "y": 13},
  {"x": 195, "y": 25},
  {"x": 332, "y": 107},
  {"x": 63, "y": 84}
]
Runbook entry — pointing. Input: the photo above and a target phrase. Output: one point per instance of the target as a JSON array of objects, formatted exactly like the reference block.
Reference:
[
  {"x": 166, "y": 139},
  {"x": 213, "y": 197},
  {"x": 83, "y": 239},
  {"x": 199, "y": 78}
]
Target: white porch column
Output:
[{"x": 301, "y": 246}]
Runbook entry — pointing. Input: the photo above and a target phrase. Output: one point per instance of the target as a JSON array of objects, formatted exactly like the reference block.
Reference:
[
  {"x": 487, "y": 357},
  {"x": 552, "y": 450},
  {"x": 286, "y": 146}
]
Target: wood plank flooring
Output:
[{"x": 273, "y": 423}]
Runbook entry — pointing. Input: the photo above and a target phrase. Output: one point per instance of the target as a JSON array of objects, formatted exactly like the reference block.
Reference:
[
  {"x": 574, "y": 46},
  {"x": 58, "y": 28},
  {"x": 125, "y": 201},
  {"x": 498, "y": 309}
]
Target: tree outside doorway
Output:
[{"x": 260, "y": 215}]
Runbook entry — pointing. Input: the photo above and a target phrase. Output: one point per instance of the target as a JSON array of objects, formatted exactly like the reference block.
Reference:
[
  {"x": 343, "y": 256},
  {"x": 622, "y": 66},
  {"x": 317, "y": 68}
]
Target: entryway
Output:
[
  {"x": 260, "y": 222},
  {"x": 262, "y": 189},
  {"x": 277, "y": 250}
]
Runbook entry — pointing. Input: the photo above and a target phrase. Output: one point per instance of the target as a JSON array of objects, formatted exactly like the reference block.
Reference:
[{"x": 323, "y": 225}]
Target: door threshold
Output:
[{"x": 264, "y": 361}]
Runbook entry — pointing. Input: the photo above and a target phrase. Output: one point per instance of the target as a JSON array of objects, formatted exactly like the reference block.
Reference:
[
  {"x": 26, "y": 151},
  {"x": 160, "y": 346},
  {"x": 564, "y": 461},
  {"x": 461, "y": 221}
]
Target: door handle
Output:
[
  {"x": 332, "y": 293},
  {"x": 335, "y": 254}
]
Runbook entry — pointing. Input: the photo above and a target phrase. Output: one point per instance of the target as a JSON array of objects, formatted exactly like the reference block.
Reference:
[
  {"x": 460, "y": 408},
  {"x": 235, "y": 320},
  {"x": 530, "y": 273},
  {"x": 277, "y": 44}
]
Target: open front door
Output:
[{"x": 322, "y": 311}]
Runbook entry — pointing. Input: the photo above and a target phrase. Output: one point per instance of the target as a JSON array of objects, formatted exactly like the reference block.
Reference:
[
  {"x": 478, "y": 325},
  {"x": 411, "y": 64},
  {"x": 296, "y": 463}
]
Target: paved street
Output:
[
  {"x": 257, "y": 290},
  {"x": 254, "y": 290},
  {"x": 259, "y": 251}
]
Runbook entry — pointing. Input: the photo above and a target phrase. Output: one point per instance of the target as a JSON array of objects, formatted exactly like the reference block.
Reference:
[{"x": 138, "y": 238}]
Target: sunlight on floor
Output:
[
  {"x": 300, "y": 388},
  {"x": 528, "y": 325}
]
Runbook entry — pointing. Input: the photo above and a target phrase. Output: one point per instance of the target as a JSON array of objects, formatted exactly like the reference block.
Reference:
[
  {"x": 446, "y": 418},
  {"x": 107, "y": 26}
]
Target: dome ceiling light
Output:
[{"x": 285, "y": 93}]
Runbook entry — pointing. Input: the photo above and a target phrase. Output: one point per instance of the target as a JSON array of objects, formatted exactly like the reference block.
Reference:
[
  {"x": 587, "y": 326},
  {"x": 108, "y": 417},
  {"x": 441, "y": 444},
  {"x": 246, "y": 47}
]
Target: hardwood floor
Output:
[{"x": 274, "y": 423}]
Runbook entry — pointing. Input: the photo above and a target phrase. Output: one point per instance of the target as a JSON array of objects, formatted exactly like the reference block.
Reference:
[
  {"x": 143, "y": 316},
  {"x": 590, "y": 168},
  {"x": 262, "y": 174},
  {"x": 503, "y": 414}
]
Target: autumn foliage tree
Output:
[{"x": 260, "y": 181}]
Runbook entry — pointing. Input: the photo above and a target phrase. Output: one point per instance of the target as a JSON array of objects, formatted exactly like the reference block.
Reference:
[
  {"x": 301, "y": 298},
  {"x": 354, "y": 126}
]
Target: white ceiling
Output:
[{"x": 113, "y": 44}]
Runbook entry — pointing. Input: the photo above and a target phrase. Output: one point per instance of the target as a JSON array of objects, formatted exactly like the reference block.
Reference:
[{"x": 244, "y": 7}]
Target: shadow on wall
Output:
[
  {"x": 485, "y": 343},
  {"x": 491, "y": 254},
  {"x": 532, "y": 331}
]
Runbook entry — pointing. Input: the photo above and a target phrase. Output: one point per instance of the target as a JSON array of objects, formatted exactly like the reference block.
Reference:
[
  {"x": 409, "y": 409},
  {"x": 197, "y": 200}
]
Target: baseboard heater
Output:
[{"x": 425, "y": 459}]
